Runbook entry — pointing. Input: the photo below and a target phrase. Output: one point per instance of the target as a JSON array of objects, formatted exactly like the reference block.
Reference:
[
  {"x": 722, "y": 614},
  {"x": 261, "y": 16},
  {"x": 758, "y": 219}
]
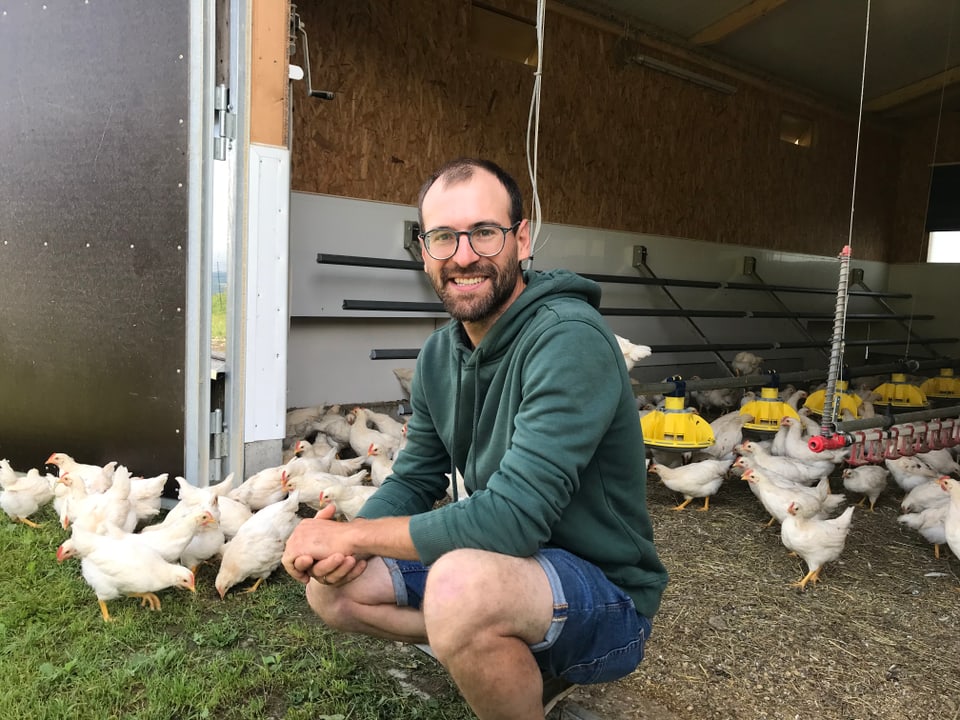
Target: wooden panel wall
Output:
[
  {"x": 933, "y": 140},
  {"x": 621, "y": 147}
]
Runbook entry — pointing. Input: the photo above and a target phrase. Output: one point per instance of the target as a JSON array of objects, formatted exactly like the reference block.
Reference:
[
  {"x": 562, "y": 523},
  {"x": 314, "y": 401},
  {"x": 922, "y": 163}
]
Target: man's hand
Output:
[{"x": 318, "y": 549}]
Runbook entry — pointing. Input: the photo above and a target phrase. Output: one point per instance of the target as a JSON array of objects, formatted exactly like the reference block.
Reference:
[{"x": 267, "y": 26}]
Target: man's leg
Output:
[
  {"x": 482, "y": 610},
  {"x": 367, "y": 605}
]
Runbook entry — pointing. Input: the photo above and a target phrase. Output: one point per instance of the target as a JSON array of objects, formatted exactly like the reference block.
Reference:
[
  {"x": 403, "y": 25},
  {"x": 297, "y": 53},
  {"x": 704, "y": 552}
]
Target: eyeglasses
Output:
[{"x": 485, "y": 240}]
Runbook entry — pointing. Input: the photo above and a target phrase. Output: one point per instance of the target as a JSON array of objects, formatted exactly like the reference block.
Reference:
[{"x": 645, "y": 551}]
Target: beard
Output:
[{"x": 477, "y": 307}]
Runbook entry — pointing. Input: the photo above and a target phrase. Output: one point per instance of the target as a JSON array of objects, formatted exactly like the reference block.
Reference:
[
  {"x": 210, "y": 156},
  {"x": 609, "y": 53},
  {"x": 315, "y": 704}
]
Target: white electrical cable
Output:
[{"x": 533, "y": 136}]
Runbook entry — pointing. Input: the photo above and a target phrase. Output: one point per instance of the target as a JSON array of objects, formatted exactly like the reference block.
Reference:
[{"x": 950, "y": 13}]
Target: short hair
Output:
[{"x": 461, "y": 170}]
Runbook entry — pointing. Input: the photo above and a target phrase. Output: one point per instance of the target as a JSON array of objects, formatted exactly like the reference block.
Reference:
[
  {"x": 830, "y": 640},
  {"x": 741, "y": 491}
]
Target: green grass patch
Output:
[
  {"x": 262, "y": 655},
  {"x": 218, "y": 318}
]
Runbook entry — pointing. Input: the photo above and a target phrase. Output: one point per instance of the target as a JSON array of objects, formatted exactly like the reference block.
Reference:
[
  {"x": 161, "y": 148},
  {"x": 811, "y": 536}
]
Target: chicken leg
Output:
[
  {"x": 682, "y": 505},
  {"x": 25, "y": 521},
  {"x": 104, "y": 612},
  {"x": 253, "y": 587},
  {"x": 147, "y": 598},
  {"x": 706, "y": 504},
  {"x": 811, "y": 577}
]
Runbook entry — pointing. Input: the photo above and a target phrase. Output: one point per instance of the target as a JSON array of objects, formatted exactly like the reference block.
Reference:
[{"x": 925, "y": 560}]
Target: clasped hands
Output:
[{"x": 319, "y": 549}]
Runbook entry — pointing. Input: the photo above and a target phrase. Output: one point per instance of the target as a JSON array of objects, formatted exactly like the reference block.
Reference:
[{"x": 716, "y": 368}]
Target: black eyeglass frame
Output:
[{"x": 468, "y": 233}]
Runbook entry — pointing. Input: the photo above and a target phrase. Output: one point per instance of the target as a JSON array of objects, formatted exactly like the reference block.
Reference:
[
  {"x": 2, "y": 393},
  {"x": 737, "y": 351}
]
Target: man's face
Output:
[{"x": 474, "y": 288}]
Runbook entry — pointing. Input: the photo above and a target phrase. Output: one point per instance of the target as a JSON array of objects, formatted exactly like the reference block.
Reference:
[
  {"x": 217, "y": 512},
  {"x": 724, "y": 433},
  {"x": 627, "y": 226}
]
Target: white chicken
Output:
[
  {"x": 867, "y": 480},
  {"x": 632, "y": 354},
  {"x": 97, "y": 478},
  {"x": 362, "y": 435},
  {"x": 117, "y": 566},
  {"x": 385, "y": 424},
  {"x": 261, "y": 489},
  {"x": 256, "y": 549},
  {"x": 232, "y": 513},
  {"x": 334, "y": 425},
  {"x": 727, "y": 434},
  {"x": 925, "y": 495},
  {"x": 22, "y": 497},
  {"x": 930, "y": 523},
  {"x": 311, "y": 485},
  {"x": 795, "y": 446},
  {"x": 941, "y": 460},
  {"x": 381, "y": 464},
  {"x": 816, "y": 540},
  {"x": 90, "y": 509},
  {"x": 146, "y": 495},
  {"x": 405, "y": 378},
  {"x": 788, "y": 467},
  {"x": 746, "y": 363},
  {"x": 951, "y": 523},
  {"x": 348, "y": 499},
  {"x": 299, "y": 420},
  {"x": 699, "y": 479},
  {"x": 209, "y": 538},
  {"x": 776, "y": 499},
  {"x": 910, "y": 471}
]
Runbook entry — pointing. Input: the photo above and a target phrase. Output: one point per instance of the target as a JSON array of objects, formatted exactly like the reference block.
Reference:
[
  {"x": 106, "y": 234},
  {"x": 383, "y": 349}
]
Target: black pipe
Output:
[{"x": 360, "y": 261}]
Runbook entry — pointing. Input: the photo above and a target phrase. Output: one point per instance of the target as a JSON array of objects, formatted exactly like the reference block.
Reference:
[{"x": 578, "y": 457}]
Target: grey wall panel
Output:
[
  {"x": 93, "y": 231},
  {"x": 329, "y": 347}
]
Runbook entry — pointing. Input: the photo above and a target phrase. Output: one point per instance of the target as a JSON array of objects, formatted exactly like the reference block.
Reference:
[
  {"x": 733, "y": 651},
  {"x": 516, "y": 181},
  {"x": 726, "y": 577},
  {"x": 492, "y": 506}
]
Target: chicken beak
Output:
[
  {"x": 192, "y": 587},
  {"x": 221, "y": 592}
]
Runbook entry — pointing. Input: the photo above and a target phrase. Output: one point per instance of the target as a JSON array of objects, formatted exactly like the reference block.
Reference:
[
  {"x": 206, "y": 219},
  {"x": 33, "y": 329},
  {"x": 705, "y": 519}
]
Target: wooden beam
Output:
[
  {"x": 944, "y": 79},
  {"x": 734, "y": 21}
]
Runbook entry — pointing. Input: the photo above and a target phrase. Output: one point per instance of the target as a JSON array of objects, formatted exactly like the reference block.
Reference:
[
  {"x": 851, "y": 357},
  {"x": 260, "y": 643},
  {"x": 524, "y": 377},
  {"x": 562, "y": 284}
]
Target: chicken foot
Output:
[
  {"x": 104, "y": 612},
  {"x": 25, "y": 521},
  {"x": 811, "y": 577},
  {"x": 253, "y": 587},
  {"x": 682, "y": 505},
  {"x": 147, "y": 599},
  {"x": 706, "y": 504}
]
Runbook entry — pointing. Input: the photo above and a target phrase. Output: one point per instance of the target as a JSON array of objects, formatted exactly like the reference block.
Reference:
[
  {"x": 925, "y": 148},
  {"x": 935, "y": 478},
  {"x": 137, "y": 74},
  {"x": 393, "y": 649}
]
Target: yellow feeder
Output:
[
  {"x": 944, "y": 385},
  {"x": 842, "y": 399},
  {"x": 899, "y": 393},
  {"x": 675, "y": 427},
  {"x": 768, "y": 411}
]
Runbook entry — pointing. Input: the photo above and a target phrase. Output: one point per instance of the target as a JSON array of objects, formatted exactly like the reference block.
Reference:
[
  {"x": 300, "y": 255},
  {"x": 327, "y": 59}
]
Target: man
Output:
[{"x": 548, "y": 567}]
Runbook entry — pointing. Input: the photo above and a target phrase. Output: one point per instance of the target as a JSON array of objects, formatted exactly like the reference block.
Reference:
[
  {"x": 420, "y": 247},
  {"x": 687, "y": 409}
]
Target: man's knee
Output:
[{"x": 329, "y": 604}]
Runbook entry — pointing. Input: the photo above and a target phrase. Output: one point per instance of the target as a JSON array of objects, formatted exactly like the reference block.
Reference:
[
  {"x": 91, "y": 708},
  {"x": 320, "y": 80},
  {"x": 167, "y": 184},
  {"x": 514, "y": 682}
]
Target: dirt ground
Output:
[{"x": 877, "y": 637}]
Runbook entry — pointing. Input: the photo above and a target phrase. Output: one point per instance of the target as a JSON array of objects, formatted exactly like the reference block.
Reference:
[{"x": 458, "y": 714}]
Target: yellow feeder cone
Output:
[
  {"x": 843, "y": 400},
  {"x": 944, "y": 385},
  {"x": 768, "y": 411},
  {"x": 676, "y": 428},
  {"x": 899, "y": 393}
]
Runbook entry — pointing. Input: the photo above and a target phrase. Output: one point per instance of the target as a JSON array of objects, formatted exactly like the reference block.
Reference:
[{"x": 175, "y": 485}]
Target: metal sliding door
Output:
[{"x": 99, "y": 197}]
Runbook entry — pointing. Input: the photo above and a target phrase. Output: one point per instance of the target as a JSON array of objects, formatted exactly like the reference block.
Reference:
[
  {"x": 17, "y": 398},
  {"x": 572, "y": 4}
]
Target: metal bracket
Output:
[
  {"x": 639, "y": 257},
  {"x": 226, "y": 120},
  {"x": 297, "y": 26},
  {"x": 411, "y": 239},
  {"x": 749, "y": 265}
]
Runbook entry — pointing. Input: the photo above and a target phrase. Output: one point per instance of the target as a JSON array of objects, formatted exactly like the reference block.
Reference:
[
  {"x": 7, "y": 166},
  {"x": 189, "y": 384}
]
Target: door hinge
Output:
[
  {"x": 226, "y": 122},
  {"x": 219, "y": 437}
]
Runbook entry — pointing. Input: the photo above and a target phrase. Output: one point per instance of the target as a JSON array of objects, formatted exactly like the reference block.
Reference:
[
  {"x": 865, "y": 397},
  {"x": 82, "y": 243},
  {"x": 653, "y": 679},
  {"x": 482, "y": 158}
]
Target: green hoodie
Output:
[{"x": 542, "y": 423}]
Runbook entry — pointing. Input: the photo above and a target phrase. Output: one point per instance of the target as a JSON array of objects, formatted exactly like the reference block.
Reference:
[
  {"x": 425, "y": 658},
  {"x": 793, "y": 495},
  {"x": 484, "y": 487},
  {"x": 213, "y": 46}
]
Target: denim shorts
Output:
[{"x": 596, "y": 634}]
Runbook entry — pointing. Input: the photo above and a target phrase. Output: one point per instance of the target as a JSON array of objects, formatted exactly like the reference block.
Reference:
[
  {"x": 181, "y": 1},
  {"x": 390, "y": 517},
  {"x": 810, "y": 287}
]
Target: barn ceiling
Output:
[{"x": 817, "y": 46}]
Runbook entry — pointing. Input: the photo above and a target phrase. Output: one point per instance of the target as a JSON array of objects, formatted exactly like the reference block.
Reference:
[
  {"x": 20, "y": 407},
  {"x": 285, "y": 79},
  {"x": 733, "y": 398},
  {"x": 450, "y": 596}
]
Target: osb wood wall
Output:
[
  {"x": 936, "y": 140},
  {"x": 621, "y": 147}
]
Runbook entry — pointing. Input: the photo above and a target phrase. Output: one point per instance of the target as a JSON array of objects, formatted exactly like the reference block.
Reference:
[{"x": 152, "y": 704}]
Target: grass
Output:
[
  {"x": 262, "y": 655},
  {"x": 218, "y": 318}
]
